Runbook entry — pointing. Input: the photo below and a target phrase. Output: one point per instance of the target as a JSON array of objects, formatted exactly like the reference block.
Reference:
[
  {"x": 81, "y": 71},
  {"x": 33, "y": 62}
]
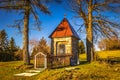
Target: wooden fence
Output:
[
  {"x": 58, "y": 61},
  {"x": 47, "y": 61}
]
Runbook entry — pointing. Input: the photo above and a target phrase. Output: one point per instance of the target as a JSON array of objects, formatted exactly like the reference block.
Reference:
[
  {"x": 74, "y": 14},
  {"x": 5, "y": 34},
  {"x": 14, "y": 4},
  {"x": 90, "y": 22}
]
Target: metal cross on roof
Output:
[{"x": 65, "y": 15}]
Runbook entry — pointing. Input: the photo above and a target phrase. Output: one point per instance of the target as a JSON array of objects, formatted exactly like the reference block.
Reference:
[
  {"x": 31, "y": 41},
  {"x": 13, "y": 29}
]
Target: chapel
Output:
[{"x": 64, "y": 41}]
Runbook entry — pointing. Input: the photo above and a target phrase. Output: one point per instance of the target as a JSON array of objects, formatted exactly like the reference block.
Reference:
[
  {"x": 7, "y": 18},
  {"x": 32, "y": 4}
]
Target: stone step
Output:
[
  {"x": 30, "y": 72},
  {"x": 26, "y": 74}
]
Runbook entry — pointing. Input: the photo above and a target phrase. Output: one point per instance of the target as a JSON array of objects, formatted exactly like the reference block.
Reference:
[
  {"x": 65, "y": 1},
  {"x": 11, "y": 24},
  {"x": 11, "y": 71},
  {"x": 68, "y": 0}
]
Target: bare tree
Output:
[
  {"x": 97, "y": 22},
  {"x": 27, "y": 7}
]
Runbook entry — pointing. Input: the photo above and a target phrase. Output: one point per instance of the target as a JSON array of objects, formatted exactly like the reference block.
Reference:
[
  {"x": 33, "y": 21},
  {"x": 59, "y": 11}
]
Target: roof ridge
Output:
[
  {"x": 64, "y": 30},
  {"x": 73, "y": 30}
]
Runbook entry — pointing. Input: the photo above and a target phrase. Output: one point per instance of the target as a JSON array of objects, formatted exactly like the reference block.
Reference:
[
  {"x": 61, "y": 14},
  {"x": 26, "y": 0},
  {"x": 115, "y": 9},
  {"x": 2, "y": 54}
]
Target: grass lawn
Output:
[
  {"x": 105, "y": 54},
  {"x": 8, "y": 69},
  {"x": 93, "y": 71},
  {"x": 84, "y": 71}
]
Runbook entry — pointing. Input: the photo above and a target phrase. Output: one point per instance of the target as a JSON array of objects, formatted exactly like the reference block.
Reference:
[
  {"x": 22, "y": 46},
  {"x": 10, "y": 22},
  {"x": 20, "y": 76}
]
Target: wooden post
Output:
[{"x": 45, "y": 63}]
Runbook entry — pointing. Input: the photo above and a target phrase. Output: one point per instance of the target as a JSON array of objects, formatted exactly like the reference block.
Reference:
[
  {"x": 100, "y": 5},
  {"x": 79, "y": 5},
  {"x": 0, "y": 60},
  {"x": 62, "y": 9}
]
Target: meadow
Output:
[{"x": 85, "y": 71}]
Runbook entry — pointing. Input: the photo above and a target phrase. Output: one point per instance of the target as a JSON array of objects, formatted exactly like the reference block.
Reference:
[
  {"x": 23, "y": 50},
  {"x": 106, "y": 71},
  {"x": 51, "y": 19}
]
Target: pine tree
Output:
[
  {"x": 81, "y": 47},
  {"x": 41, "y": 47},
  {"x": 12, "y": 45},
  {"x": 3, "y": 41}
]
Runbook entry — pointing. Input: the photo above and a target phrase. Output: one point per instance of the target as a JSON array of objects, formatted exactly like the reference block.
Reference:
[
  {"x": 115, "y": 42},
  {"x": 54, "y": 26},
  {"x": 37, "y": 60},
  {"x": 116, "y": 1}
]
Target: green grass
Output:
[
  {"x": 84, "y": 71},
  {"x": 8, "y": 69},
  {"x": 105, "y": 54},
  {"x": 93, "y": 71},
  {"x": 102, "y": 54}
]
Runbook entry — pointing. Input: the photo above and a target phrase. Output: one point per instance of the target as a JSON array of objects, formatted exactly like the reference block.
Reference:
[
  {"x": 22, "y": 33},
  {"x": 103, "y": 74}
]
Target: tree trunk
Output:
[
  {"x": 89, "y": 33},
  {"x": 26, "y": 57}
]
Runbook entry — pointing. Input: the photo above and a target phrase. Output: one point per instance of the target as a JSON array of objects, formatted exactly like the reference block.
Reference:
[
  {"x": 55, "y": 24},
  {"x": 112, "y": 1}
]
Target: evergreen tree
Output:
[
  {"x": 12, "y": 45},
  {"x": 13, "y": 48},
  {"x": 81, "y": 47},
  {"x": 4, "y": 48},
  {"x": 3, "y": 41},
  {"x": 19, "y": 54},
  {"x": 41, "y": 47}
]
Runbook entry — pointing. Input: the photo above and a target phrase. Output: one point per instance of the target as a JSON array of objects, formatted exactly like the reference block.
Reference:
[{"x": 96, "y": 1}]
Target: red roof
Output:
[{"x": 64, "y": 29}]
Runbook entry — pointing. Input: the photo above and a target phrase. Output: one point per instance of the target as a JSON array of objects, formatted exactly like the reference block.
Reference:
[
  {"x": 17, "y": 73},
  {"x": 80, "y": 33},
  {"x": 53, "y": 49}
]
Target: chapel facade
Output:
[{"x": 64, "y": 41}]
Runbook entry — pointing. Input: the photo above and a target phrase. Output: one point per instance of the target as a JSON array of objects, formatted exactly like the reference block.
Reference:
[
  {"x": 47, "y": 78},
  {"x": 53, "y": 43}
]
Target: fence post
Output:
[
  {"x": 35, "y": 63},
  {"x": 45, "y": 64}
]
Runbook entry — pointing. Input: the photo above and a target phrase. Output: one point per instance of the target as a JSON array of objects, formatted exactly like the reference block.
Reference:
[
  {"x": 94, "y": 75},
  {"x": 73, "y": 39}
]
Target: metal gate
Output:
[{"x": 40, "y": 61}]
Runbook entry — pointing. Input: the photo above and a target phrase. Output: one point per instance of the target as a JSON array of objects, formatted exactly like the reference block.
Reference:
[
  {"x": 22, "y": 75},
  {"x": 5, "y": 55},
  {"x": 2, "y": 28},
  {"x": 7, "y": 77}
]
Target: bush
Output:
[{"x": 6, "y": 57}]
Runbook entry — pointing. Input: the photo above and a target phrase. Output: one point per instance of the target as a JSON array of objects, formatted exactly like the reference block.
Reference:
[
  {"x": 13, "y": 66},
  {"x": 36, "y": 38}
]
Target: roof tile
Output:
[{"x": 64, "y": 29}]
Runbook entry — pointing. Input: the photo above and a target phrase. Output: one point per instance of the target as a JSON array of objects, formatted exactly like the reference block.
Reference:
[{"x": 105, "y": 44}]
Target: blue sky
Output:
[{"x": 49, "y": 23}]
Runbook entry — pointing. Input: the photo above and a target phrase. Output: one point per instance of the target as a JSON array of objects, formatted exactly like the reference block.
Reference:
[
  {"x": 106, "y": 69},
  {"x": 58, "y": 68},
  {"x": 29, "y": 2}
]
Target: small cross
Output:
[{"x": 65, "y": 15}]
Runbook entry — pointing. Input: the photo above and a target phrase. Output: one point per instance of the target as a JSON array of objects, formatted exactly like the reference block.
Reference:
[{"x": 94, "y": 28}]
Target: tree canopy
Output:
[
  {"x": 97, "y": 20},
  {"x": 27, "y": 8},
  {"x": 3, "y": 41},
  {"x": 8, "y": 48},
  {"x": 109, "y": 44}
]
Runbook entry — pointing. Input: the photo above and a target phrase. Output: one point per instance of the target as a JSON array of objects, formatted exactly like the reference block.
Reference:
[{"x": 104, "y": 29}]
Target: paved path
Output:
[
  {"x": 35, "y": 72},
  {"x": 29, "y": 73}
]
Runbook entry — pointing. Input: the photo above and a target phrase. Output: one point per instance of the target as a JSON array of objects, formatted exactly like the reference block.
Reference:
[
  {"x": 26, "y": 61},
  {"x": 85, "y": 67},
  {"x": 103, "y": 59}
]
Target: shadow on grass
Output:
[{"x": 83, "y": 62}]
